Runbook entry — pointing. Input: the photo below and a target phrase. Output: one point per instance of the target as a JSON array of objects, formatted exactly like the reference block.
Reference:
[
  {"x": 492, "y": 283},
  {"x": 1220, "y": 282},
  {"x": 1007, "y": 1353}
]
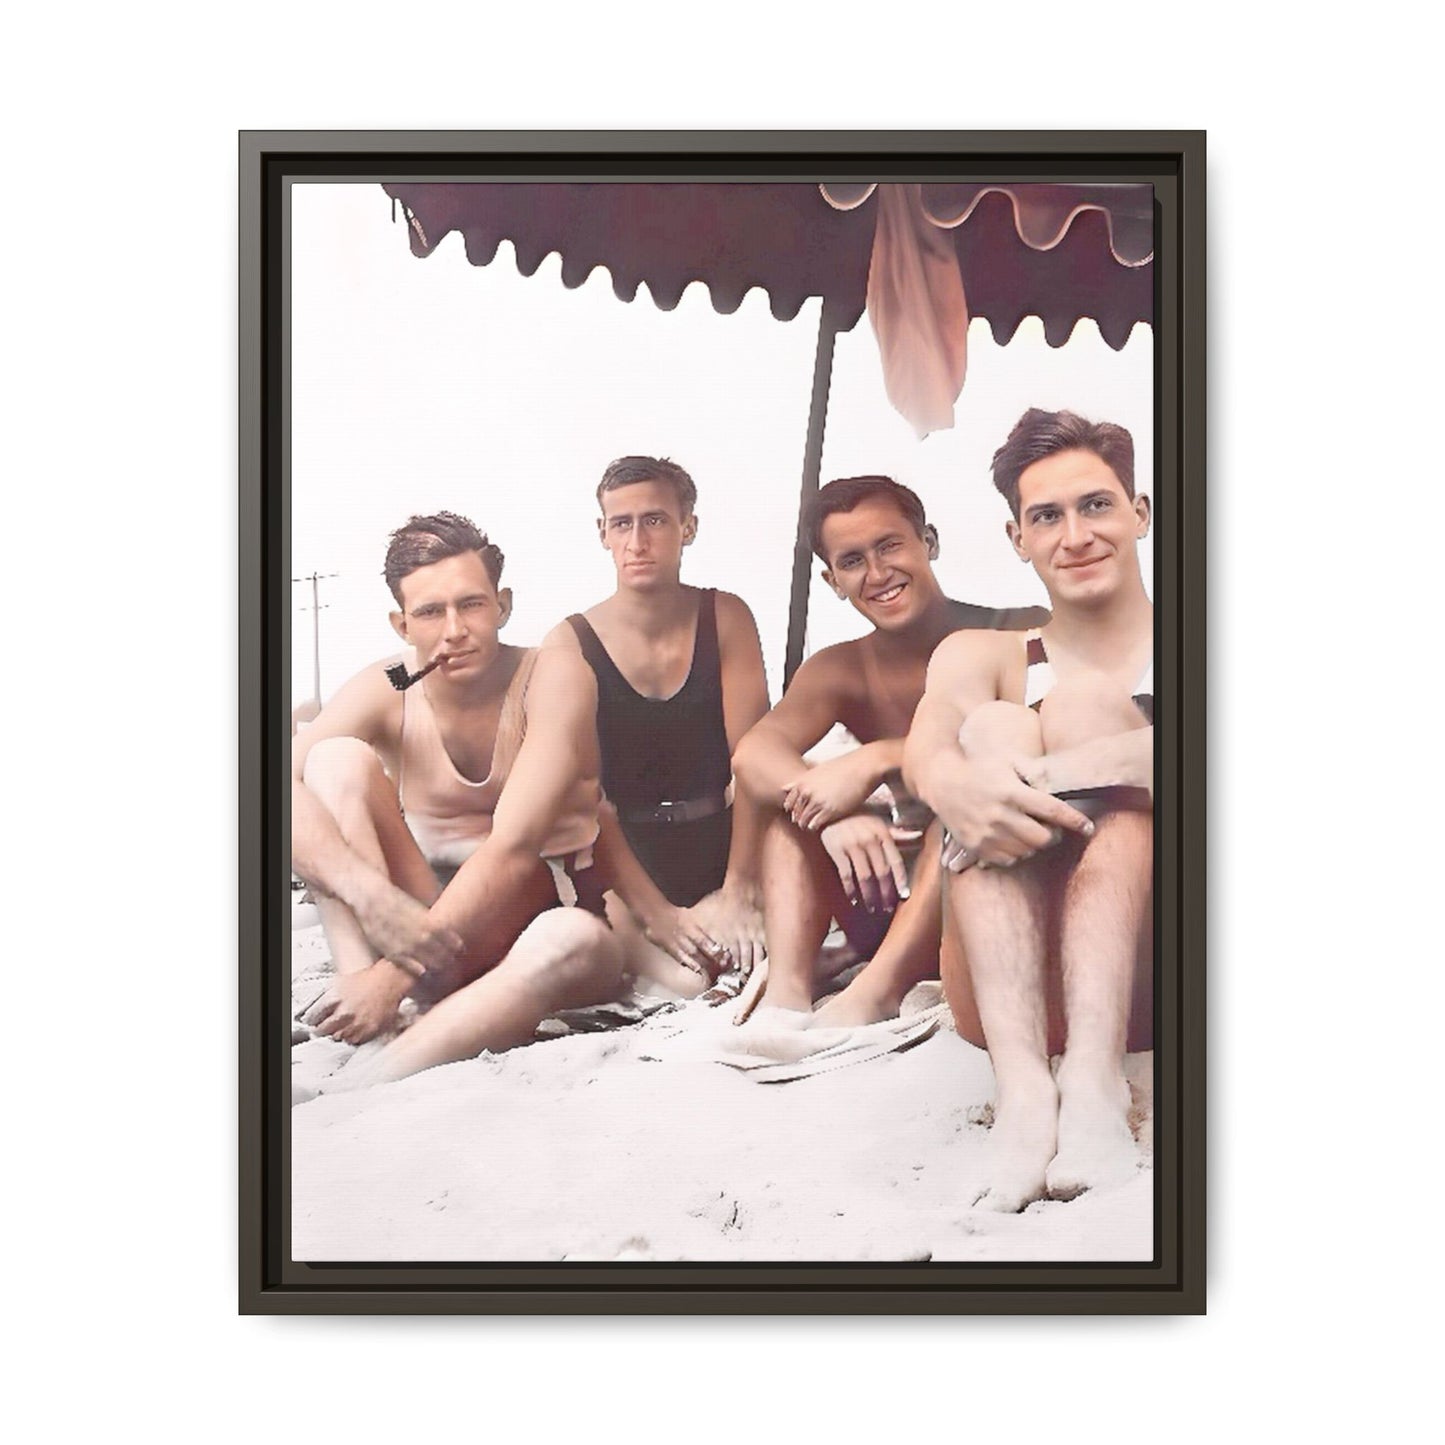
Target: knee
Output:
[
  {"x": 1001, "y": 727},
  {"x": 569, "y": 951},
  {"x": 1072, "y": 715},
  {"x": 341, "y": 768}
]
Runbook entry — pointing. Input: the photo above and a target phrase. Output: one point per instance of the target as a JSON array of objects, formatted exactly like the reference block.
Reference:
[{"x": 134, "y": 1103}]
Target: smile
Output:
[{"x": 889, "y": 594}]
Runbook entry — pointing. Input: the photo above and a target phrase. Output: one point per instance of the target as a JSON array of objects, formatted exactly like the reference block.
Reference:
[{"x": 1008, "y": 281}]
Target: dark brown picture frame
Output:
[{"x": 1173, "y": 1282}]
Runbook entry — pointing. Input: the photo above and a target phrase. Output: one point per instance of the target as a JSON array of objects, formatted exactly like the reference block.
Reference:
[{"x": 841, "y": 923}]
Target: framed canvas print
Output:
[{"x": 722, "y": 666}]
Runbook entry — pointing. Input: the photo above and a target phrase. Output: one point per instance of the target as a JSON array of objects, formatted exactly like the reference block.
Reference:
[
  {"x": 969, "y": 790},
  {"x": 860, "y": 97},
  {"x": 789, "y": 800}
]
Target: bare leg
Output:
[
  {"x": 1105, "y": 907},
  {"x": 908, "y": 953},
  {"x": 1105, "y": 901},
  {"x": 1001, "y": 918},
  {"x": 489, "y": 902},
  {"x": 801, "y": 896},
  {"x": 644, "y": 960},
  {"x": 347, "y": 776},
  {"x": 567, "y": 958}
]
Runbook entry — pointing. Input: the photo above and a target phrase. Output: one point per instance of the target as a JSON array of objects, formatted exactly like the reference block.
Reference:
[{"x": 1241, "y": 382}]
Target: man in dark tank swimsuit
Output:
[{"x": 679, "y": 681}]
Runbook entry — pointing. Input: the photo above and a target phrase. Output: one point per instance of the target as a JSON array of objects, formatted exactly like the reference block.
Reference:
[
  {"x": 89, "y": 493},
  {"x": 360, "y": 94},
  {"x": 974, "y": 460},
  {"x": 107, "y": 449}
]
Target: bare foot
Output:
[
  {"x": 1096, "y": 1147},
  {"x": 784, "y": 1035},
  {"x": 1020, "y": 1145},
  {"x": 853, "y": 1007}
]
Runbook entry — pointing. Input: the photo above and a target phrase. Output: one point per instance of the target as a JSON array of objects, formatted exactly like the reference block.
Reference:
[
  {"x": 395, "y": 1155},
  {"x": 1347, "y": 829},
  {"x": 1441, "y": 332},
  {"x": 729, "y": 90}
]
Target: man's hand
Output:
[
  {"x": 359, "y": 1006},
  {"x": 829, "y": 791},
  {"x": 864, "y": 850},
  {"x": 996, "y": 818},
  {"x": 733, "y": 917},
  {"x": 682, "y": 935},
  {"x": 401, "y": 929}
]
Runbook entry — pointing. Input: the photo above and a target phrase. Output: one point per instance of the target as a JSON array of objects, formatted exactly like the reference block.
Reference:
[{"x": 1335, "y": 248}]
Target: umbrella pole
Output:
[{"x": 812, "y": 467}]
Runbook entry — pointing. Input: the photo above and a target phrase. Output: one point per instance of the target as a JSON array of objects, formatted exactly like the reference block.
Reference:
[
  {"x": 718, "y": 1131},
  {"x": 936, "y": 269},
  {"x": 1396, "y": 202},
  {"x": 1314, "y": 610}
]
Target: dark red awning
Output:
[{"x": 1059, "y": 252}]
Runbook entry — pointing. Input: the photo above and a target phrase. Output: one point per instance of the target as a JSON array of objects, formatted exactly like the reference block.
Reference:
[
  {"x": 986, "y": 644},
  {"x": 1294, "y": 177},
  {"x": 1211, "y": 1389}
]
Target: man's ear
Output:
[
  {"x": 827, "y": 575},
  {"x": 602, "y": 530},
  {"x": 504, "y": 605},
  {"x": 398, "y": 624},
  {"x": 689, "y": 529},
  {"x": 1144, "y": 511},
  {"x": 930, "y": 535},
  {"x": 1016, "y": 539}
]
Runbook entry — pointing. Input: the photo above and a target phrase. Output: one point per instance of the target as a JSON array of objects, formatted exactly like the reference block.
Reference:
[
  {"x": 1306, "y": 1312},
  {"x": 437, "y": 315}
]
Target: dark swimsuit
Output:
[{"x": 665, "y": 763}]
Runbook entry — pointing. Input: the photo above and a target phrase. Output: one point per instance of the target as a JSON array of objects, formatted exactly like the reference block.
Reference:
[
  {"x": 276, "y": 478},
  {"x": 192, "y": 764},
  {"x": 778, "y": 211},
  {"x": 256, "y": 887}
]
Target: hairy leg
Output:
[
  {"x": 1107, "y": 977},
  {"x": 908, "y": 953},
  {"x": 567, "y": 958},
  {"x": 347, "y": 776},
  {"x": 1105, "y": 902},
  {"x": 801, "y": 897},
  {"x": 1000, "y": 917}
]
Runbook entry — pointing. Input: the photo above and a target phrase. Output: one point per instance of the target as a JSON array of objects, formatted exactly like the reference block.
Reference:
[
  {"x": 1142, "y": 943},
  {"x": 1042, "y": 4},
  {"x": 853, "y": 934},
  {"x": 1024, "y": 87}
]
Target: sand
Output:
[{"x": 637, "y": 1144}]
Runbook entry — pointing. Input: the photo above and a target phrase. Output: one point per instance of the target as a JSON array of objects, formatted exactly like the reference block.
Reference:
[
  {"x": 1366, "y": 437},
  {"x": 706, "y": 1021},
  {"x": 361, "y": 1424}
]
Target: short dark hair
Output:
[
  {"x": 424, "y": 540},
  {"x": 627, "y": 470},
  {"x": 1038, "y": 434},
  {"x": 846, "y": 493}
]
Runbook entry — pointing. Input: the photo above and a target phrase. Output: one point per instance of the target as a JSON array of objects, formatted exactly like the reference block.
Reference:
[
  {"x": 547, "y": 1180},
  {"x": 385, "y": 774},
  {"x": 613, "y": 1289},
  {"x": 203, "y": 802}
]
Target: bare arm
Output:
[
  {"x": 1125, "y": 759},
  {"x": 769, "y": 760},
  {"x": 367, "y": 709},
  {"x": 994, "y": 815},
  {"x": 745, "y": 702}
]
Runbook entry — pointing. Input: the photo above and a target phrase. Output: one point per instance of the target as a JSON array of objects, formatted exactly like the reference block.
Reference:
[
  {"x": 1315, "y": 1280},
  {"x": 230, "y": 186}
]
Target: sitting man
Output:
[
  {"x": 1046, "y": 906},
  {"x": 679, "y": 680},
  {"x": 824, "y": 856},
  {"x": 441, "y": 825}
]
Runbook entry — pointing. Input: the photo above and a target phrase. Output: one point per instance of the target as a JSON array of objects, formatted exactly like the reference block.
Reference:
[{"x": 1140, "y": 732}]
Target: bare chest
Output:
[{"x": 887, "y": 695}]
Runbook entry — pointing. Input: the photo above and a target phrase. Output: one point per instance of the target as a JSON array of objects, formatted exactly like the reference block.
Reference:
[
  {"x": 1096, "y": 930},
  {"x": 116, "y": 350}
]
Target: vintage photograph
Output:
[{"x": 722, "y": 726}]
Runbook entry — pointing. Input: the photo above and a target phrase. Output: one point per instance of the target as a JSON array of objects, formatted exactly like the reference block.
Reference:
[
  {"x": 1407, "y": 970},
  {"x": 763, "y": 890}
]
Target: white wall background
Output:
[{"x": 120, "y": 1058}]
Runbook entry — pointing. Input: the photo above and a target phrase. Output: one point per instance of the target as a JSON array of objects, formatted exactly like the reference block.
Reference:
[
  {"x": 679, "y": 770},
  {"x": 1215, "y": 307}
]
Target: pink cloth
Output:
[{"x": 918, "y": 310}]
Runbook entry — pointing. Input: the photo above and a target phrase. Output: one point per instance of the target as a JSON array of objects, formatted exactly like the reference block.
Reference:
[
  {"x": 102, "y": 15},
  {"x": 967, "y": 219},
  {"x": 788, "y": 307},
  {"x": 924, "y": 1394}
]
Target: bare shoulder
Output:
[
  {"x": 560, "y": 674},
  {"x": 563, "y": 636},
  {"x": 367, "y": 706},
  {"x": 734, "y": 616},
  {"x": 973, "y": 650},
  {"x": 834, "y": 674}
]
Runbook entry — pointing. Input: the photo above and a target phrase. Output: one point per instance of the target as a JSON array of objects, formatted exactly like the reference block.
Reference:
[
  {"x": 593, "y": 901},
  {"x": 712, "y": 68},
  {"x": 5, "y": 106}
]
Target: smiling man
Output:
[
  {"x": 1049, "y": 907},
  {"x": 442, "y": 826},
  {"x": 679, "y": 680},
  {"x": 824, "y": 856}
]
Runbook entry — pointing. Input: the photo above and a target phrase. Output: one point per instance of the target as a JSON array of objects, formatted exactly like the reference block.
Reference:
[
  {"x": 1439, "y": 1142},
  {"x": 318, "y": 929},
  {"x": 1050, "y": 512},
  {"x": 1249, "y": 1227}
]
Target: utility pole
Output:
[{"x": 316, "y": 579}]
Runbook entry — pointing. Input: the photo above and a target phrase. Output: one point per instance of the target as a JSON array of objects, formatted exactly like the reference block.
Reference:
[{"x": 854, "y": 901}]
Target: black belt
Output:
[{"x": 687, "y": 810}]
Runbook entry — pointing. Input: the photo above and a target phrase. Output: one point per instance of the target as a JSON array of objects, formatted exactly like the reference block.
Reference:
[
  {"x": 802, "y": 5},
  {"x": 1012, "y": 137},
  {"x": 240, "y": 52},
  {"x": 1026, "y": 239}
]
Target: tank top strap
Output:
[
  {"x": 597, "y": 657},
  {"x": 705, "y": 644},
  {"x": 512, "y": 723},
  {"x": 1038, "y": 672}
]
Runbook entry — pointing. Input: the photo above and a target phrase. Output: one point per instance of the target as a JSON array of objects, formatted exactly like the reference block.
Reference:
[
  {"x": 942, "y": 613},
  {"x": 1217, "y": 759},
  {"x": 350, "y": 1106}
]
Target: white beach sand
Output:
[{"x": 637, "y": 1144}]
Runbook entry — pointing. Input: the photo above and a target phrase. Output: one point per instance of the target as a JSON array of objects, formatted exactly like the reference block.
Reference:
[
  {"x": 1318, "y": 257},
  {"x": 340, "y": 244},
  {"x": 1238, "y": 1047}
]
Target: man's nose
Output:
[
  {"x": 637, "y": 540},
  {"x": 878, "y": 569},
  {"x": 454, "y": 626},
  {"x": 1077, "y": 531}
]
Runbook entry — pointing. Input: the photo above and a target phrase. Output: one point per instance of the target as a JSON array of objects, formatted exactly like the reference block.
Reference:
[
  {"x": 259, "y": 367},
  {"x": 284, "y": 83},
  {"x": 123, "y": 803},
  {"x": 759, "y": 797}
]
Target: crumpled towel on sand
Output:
[{"x": 772, "y": 1049}]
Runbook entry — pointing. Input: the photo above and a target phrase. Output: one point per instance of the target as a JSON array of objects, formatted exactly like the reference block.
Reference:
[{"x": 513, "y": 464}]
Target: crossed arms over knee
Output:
[
  {"x": 826, "y": 798},
  {"x": 982, "y": 762}
]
